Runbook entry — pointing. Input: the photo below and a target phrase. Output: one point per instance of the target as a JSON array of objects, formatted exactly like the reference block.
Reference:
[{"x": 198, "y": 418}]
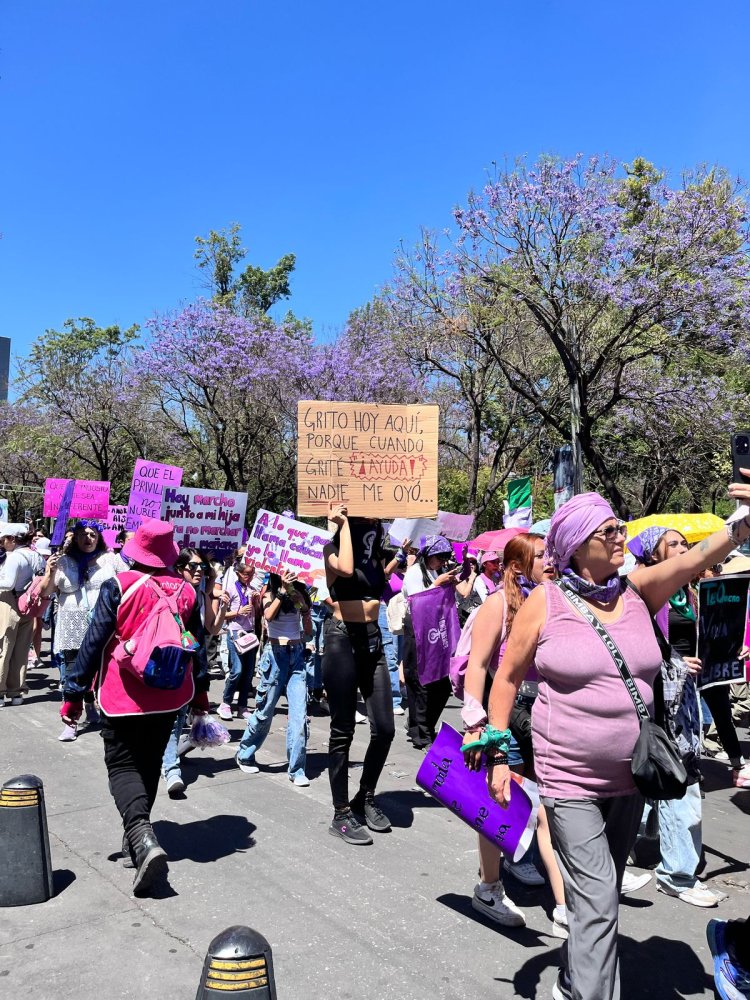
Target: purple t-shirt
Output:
[{"x": 584, "y": 723}]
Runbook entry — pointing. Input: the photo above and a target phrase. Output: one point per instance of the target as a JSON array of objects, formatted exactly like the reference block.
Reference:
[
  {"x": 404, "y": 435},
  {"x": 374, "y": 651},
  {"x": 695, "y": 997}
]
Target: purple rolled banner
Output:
[
  {"x": 445, "y": 776},
  {"x": 436, "y": 631}
]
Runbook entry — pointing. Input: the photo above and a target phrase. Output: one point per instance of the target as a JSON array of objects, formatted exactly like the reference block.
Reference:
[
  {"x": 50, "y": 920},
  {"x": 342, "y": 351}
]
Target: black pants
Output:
[
  {"x": 353, "y": 659},
  {"x": 717, "y": 699},
  {"x": 134, "y": 746},
  {"x": 425, "y": 702},
  {"x": 69, "y": 655}
]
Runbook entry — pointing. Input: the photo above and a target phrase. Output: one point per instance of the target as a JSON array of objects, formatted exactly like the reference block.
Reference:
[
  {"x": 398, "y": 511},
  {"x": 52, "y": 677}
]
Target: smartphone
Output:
[{"x": 740, "y": 455}]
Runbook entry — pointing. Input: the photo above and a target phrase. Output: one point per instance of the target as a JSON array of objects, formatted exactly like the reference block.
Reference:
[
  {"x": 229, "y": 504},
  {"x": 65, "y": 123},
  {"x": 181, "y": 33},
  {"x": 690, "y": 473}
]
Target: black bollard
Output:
[
  {"x": 239, "y": 962},
  {"x": 26, "y": 868}
]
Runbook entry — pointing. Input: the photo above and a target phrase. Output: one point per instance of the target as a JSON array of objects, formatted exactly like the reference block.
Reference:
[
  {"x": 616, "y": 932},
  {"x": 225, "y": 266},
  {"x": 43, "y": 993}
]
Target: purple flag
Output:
[
  {"x": 436, "y": 630},
  {"x": 444, "y": 775},
  {"x": 63, "y": 513}
]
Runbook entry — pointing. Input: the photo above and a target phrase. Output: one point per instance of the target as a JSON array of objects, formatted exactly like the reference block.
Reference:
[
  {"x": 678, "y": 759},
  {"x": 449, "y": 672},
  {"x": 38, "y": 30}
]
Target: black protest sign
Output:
[{"x": 722, "y": 618}]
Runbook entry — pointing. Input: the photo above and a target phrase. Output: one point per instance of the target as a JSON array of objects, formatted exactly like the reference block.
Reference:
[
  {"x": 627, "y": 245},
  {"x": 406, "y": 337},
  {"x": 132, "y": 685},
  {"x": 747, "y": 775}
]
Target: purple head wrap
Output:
[
  {"x": 571, "y": 525},
  {"x": 644, "y": 545},
  {"x": 435, "y": 545}
]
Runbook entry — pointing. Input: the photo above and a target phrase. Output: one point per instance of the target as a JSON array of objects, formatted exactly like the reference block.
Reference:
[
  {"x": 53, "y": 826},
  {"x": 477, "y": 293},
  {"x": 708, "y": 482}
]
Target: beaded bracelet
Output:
[{"x": 498, "y": 758}]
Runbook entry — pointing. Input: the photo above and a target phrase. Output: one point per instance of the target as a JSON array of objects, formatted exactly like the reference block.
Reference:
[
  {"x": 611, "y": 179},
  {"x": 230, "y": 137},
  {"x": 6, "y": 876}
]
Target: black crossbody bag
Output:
[{"x": 658, "y": 771}]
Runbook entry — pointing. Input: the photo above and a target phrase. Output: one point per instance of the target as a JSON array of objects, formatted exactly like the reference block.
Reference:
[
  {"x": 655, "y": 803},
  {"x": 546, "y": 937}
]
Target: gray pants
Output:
[{"x": 592, "y": 839}]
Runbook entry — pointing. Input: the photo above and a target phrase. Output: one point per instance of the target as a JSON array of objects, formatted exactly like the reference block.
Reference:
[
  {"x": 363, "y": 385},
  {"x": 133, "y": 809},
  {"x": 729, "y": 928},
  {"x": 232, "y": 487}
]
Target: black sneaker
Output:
[
  {"x": 346, "y": 826},
  {"x": 365, "y": 805}
]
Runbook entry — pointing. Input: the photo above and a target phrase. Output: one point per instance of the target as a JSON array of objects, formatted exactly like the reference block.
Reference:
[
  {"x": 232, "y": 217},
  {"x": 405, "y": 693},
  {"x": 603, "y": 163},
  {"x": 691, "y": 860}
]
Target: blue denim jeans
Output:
[
  {"x": 282, "y": 669},
  {"x": 315, "y": 662},
  {"x": 390, "y": 648},
  {"x": 240, "y": 677},
  {"x": 680, "y": 839},
  {"x": 171, "y": 762}
]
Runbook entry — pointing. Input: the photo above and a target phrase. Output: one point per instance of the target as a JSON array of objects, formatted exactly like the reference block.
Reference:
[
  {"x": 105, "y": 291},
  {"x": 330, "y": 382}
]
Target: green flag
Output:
[{"x": 519, "y": 493}]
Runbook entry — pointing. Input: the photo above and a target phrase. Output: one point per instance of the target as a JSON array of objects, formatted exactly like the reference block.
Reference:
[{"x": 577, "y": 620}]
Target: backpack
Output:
[
  {"x": 31, "y": 603},
  {"x": 460, "y": 659},
  {"x": 160, "y": 650}
]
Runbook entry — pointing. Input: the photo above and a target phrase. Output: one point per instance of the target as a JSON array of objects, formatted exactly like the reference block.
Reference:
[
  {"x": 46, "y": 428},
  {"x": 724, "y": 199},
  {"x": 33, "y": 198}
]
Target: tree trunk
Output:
[{"x": 599, "y": 466}]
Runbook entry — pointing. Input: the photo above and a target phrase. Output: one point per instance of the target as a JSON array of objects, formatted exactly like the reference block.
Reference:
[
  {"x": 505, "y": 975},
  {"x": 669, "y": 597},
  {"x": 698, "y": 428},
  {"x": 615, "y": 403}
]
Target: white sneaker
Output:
[
  {"x": 224, "y": 712},
  {"x": 493, "y": 903},
  {"x": 18, "y": 700},
  {"x": 631, "y": 882},
  {"x": 247, "y": 768},
  {"x": 175, "y": 785},
  {"x": 698, "y": 895},
  {"x": 300, "y": 780},
  {"x": 359, "y": 718},
  {"x": 560, "y": 921},
  {"x": 398, "y": 710},
  {"x": 524, "y": 871},
  {"x": 68, "y": 734}
]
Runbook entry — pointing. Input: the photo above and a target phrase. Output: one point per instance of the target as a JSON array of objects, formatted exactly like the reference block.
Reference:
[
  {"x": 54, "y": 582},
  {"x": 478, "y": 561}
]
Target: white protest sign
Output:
[
  {"x": 211, "y": 520},
  {"x": 278, "y": 542}
]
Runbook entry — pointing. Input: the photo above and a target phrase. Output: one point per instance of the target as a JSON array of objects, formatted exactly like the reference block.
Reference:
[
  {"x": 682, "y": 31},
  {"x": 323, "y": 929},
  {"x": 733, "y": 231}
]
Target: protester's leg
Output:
[
  {"x": 375, "y": 684},
  {"x": 296, "y": 727},
  {"x": 391, "y": 658},
  {"x": 340, "y": 680},
  {"x": 170, "y": 764},
  {"x": 717, "y": 699},
  {"x": 19, "y": 657},
  {"x": 8, "y": 622},
  {"x": 547, "y": 854},
  {"x": 490, "y": 861},
  {"x": 246, "y": 679},
  {"x": 740, "y": 699},
  {"x": 235, "y": 672},
  {"x": 438, "y": 694},
  {"x": 680, "y": 840},
  {"x": 259, "y": 724},
  {"x": 416, "y": 694},
  {"x": 592, "y": 838},
  {"x": 133, "y": 751}
]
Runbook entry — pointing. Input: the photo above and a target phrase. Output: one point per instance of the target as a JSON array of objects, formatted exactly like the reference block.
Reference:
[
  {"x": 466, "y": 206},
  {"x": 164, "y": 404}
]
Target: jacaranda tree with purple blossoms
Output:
[{"x": 592, "y": 272}]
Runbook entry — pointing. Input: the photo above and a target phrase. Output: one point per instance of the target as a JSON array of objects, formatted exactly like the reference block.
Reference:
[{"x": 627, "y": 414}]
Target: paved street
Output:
[{"x": 389, "y": 921}]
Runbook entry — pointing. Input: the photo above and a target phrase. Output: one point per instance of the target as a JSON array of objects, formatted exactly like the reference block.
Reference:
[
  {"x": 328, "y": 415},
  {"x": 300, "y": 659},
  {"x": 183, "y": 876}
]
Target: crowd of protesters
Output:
[{"x": 528, "y": 703}]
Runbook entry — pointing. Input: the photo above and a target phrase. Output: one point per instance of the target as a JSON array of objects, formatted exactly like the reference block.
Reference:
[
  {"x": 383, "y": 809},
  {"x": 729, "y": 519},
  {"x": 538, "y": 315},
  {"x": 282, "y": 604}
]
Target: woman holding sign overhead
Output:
[{"x": 356, "y": 571}]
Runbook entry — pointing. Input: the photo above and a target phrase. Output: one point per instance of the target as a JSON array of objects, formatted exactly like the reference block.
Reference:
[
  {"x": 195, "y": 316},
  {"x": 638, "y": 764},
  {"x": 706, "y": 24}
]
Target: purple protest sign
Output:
[
  {"x": 63, "y": 513},
  {"x": 445, "y": 776},
  {"x": 436, "y": 630},
  {"x": 150, "y": 479}
]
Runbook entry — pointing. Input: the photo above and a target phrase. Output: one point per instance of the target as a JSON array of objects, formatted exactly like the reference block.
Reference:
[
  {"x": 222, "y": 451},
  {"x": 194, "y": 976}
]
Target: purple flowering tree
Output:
[{"x": 592, "y": 273}]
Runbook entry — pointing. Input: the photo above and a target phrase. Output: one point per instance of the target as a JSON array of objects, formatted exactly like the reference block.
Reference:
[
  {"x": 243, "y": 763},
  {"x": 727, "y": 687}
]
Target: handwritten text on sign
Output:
[
  {"x": 149, "y": 482},
  {"x": 381, "y": 461},
  {"x": 211, "y": 520},
  {"x": 90, "y": 498},
  {"x": 277, "y": 543},
  {"x": 722, "y": 623}
]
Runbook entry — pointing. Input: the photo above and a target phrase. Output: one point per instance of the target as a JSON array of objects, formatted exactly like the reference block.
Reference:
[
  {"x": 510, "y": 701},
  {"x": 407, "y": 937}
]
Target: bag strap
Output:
[
  {"x": 622, "y": 668},
  {"x": 134, "y": 586}
]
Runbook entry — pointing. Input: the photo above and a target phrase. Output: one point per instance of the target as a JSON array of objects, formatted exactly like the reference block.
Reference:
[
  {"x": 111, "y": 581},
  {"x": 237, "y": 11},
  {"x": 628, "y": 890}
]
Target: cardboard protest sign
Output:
[
  {"x": 381, "y": 461},
  {"x": 211, "y": 520},
  {"x": 444, "y": 775},
  {"x": 116, "y": 518},
  {"x": 90, "y": 498},
  {"x": 150, "y": 479},
  {"x": 722, "y": 622},
  {"x": 456, "y": 527},
  {"x": 278, "y": 542}
]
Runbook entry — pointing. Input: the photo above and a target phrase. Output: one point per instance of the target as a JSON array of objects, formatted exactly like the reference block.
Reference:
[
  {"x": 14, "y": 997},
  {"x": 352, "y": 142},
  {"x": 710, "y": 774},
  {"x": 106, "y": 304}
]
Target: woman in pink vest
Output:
[
  {"x": 584, "y": 723},
  {"x": 139, "y": 649}
]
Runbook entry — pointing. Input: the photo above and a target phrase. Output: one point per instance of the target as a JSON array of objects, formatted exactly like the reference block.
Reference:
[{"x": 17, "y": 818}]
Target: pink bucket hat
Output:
[
  {"x": 490, "y": 557},
  {"x": 153, "y": 545}
]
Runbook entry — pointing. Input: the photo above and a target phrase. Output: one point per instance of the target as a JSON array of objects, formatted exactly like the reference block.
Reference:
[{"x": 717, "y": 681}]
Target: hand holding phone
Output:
[{"x": 740, "y": 442}]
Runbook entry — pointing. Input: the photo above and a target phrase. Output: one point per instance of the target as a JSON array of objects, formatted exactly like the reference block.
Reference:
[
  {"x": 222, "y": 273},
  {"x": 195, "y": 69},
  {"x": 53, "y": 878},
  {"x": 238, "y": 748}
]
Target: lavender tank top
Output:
[{"x": 584, "y": 724}]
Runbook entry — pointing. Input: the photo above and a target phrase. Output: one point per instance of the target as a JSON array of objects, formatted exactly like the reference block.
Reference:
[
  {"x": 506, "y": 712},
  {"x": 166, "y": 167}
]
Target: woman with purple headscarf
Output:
[{"x": 584, "y": 724}]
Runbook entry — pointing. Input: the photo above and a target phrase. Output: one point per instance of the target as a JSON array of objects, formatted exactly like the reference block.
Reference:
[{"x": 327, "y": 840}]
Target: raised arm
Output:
[
  {"x": 339, "y": 563},
  {"x": 486, "y": 635}
]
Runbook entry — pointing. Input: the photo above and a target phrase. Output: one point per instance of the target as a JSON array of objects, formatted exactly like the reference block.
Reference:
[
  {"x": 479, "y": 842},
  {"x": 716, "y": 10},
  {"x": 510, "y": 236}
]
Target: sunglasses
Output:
[
  {"x": 610, "y": 533},
  {"x": 193, "y": 566}
]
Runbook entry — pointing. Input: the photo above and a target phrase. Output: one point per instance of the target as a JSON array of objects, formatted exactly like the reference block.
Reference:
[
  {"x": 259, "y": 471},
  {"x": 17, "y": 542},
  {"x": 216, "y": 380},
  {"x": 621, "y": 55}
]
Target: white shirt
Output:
[
  {"x": 76, "y": 598},
  {"x": 19, "y": 569},
  {"x": 414, "y": 582}
]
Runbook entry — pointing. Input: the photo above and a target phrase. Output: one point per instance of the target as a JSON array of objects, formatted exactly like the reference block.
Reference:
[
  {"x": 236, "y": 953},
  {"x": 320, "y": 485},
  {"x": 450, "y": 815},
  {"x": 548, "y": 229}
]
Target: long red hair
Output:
[{"x": 518, "y": 560}]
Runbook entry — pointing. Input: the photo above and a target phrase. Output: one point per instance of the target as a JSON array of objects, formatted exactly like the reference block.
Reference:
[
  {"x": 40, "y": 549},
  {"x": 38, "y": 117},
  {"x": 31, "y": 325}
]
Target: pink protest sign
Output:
[
  {"x": 277, "y": 542},
  {"x": 445, "y": 776},
  {"x": 115, "y": 523},
  {"x": 90, "y": 498},
  {"x": 150, "y": 479}
]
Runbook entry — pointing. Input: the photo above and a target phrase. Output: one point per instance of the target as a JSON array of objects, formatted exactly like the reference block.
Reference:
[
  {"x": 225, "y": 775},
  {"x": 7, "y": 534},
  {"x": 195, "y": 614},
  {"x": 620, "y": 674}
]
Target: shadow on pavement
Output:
[
  {"x": 400, "y": 806},
  {"x": 205, "y": 840},
  {"x": 61, "y": 879},
  {"x": 525, "y": 936}
]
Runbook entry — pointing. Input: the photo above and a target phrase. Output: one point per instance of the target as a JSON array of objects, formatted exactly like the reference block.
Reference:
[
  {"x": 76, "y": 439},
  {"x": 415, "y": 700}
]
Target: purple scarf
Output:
[{"x": 602, "y": 592}]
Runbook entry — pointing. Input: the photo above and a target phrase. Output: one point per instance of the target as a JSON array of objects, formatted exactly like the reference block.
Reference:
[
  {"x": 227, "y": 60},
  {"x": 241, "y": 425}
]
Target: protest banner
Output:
[
  {"x": 436, "y": 631},
  {"x": 150, "y": 479},
  {"x": 381, "y": 461},
  {"x": 722, "y": 623},
  {"x": 90, "y": 498},
  {"x": 444, "y": 775},
  {"x": 456, "y": 527},
  {"x": 277, "y": 543},
  {"x": 210, "y": 520},
  {"x": 116, "y": 518}
]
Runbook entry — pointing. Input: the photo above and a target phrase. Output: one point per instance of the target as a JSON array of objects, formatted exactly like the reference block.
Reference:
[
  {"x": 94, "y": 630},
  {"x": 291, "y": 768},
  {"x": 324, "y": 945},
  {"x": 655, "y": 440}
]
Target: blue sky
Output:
[{"x": 329, "y": 130}]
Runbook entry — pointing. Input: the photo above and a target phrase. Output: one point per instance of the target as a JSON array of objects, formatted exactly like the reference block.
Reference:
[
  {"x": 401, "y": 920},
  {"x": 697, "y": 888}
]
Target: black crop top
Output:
[{"x": 368, "y": 581}]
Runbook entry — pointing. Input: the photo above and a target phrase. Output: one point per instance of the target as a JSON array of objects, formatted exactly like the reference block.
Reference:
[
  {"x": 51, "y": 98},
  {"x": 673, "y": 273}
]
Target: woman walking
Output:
[
  {"x": 240, "y": 617},
  {"x": 17, "y": 570},
  {"x": 584, "y": 722}
]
